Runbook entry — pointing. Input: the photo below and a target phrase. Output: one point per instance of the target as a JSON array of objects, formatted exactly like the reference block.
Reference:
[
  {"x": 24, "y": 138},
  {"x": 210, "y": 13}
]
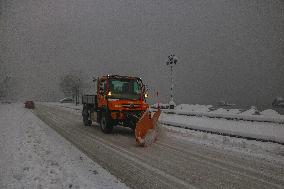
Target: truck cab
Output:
[{"x": 118, "y": 100}]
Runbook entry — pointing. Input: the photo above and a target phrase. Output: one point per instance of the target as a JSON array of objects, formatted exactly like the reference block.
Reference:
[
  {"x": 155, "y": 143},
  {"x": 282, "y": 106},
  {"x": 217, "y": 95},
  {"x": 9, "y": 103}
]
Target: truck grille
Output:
[{"x": 131, "y": 105}]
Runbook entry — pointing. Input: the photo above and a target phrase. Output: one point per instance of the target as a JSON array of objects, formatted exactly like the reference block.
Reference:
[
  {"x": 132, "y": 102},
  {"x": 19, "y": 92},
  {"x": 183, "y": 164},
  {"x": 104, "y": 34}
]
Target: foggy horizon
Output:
[{"x": 227, "y": 50}]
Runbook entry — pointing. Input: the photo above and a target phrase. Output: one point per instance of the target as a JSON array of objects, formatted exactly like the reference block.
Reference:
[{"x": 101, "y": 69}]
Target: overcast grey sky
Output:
[{"x": 228, "y": 49}]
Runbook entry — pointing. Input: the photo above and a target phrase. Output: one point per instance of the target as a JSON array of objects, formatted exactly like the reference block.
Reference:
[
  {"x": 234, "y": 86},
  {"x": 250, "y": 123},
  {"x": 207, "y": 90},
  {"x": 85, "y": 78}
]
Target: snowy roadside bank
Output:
[
  {"x": 68, "y": 106},
  {"x": 266, "y": 150},
  {"x": 32, "y": 155},
  {"x": 236, "y": 114},
  {"x": 258, "y": 130}
]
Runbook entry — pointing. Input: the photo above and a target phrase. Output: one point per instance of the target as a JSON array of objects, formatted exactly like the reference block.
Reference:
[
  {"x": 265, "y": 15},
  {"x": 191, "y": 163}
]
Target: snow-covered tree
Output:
[
  {"x": 70, "y": 84},
  {"x": 4, "y": 82},
  {"x": 278, "y": 101}
]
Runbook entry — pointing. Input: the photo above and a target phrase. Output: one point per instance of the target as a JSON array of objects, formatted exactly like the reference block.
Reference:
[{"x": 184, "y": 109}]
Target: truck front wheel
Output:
[{"x": 105, "y": 123}]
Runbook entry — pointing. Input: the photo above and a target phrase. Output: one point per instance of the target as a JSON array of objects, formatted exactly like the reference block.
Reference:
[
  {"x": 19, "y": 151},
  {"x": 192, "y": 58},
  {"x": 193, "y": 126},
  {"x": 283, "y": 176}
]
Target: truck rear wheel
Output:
[
  {"x": 86, "y": 117},
  {"x": 105, "y": 123}
]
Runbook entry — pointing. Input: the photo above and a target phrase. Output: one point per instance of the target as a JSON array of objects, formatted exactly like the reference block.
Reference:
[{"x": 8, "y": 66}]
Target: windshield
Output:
[{"x": 125, "y": 89}]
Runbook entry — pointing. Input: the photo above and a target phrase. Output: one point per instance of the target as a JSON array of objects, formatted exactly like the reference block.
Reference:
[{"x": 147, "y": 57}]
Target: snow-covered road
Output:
[
  {"x": 32, "y": 155},
  {"x": 175, "y": 161}
]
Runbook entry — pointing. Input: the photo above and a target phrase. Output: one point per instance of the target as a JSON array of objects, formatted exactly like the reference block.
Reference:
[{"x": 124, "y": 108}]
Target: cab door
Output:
[{"x": 102, "y": 90}]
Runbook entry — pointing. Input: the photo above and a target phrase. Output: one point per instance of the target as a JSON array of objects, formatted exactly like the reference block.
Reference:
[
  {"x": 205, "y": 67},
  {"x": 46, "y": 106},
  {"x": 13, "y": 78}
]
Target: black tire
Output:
[
  {"x": 86, "y": 117},
  {"x": 132, "y": 122},
  {"x": 132, "y": 125},
  {"x": 105, "y": 123}
]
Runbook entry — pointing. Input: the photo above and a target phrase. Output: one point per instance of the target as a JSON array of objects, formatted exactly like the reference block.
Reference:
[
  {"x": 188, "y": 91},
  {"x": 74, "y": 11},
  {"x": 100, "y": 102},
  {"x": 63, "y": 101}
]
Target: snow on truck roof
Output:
[{"x": 120, "y": 77}]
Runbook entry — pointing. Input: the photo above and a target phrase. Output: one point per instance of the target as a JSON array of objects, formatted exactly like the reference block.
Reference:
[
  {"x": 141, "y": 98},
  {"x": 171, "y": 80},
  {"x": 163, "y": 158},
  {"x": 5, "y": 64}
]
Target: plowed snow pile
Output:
[
  {"x": 193, "y": 107},
  {"x": 250, "y": 111},
  {"x": 154, "y": 134},
  {"x": 225, "y": 111},
  {"x": 150, "y": 137},
  {"x": 270, "y": 112}
]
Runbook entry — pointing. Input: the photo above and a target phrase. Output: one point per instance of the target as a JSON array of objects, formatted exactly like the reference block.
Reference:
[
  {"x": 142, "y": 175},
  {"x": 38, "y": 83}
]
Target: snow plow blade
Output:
[{"x": 146, "y": 128}]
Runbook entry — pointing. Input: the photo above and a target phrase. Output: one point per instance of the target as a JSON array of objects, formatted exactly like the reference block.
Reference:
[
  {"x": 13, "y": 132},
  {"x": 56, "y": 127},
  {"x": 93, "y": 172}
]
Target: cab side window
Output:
[
  {"x": 137, "y": 88},
  {"x": 102, "y": 87}
]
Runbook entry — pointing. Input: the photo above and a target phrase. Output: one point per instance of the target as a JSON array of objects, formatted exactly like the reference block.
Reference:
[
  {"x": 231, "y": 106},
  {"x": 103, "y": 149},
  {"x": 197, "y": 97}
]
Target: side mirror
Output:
[{"x": 144, "y": 89}]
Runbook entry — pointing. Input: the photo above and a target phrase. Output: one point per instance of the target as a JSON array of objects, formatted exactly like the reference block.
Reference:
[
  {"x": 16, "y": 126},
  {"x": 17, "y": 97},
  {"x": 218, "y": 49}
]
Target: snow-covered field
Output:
[
  {"x": 32, "y": 155},
  {"x": 251, "y": 114}
]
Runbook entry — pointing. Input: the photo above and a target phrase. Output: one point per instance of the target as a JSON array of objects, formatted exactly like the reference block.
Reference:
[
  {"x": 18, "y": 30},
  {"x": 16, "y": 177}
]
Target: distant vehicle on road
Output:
[
  {"x": 29, "y": 104},
  {"x": 225, "y": 103},
  {"x": 66, "y": 100},
  {"x": 278, "y": 102}
]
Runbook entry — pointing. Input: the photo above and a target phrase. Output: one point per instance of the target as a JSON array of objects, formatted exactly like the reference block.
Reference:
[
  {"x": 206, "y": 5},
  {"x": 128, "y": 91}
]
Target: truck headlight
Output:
[
  {"x": 109, "y": 93},
  {"x": 146, "y": 95}
]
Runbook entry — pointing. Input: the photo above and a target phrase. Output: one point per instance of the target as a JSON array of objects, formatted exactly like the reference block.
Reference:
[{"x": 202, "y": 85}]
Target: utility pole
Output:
[
  {"x": 172, "y": 60},
  {"x": 77, "y": 90}
]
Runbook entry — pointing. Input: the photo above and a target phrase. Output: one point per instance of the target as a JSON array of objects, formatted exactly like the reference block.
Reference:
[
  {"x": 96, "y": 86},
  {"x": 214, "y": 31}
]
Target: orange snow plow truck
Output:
[{"x": 120, "y": 100}]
